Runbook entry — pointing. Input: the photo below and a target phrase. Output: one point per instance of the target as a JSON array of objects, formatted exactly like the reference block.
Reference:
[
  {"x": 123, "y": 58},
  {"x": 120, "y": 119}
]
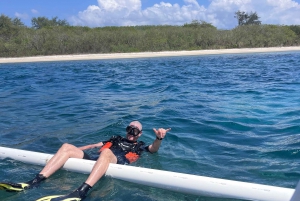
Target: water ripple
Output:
[{"x": 232, "y": 116}]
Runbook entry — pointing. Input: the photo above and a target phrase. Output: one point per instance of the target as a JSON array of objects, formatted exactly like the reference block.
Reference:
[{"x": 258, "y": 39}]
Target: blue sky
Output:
[{"x": 96, "y": 13}]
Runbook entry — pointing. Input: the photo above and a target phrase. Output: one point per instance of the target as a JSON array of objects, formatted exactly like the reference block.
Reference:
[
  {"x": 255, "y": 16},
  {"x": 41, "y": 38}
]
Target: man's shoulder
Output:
[
  {"x": 142, "y": 146},
  {"x": 141, "y": 142},
  {"x": 115, "y": 137}
]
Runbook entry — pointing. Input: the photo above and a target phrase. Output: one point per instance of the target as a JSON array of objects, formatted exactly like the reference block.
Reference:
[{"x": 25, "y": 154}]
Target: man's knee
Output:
[
  {"x": 71, "y": 151},
  {"x": 67, "y": 147},
  {"x": 108, "y": 154}
]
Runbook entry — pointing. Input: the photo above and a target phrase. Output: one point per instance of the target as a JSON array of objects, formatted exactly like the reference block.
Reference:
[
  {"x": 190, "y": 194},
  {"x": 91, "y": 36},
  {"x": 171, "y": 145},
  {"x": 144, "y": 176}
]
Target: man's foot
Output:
[
  {"x": 70, "y": 197},
  {"x": 74, "y": 196},
  {"x": 36, "y": 181},
  {"x": 13, "y": 187},
  {"x": 17, "y": 187},
  {"x": 77, "y": 195}
]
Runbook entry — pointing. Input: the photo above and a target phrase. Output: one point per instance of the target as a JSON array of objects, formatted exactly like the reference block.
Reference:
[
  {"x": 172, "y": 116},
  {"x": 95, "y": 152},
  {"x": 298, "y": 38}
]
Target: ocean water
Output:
[{"x": 233, "y": 117}]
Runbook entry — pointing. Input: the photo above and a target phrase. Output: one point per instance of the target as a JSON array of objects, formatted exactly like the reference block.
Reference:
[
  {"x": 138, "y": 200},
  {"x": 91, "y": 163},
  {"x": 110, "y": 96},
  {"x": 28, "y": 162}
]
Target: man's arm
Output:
[
  {"x": 160, "y": 135},
  {"x": 91, "y": 146}
]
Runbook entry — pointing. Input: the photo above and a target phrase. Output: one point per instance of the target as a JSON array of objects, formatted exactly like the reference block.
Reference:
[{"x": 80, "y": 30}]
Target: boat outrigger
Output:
[{"x": 184, "y": 183}]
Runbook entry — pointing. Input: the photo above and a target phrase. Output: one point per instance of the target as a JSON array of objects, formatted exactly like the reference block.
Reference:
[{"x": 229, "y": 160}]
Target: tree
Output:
[
  {"x": 9, "y": 28},
  {"x": 57, "y": 22},
  {"x": 41, "y": 22},
  {"x": 5, "y": 21},
  {"x": 247, "y": 19},
  {"x": 18, "y": 22},
  {"x": 200, "y": 24},
  {"x": 295, "y": 28}
]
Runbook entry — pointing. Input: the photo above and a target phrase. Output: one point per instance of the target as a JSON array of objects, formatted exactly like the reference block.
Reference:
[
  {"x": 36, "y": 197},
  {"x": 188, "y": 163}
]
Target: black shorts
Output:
[
  {"x": 89, "y": 157},
  {"x": 121, "y": 159}
]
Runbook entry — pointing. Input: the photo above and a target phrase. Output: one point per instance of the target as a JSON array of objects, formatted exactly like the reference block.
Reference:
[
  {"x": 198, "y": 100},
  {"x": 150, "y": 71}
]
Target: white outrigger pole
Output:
[{"x": 184, "y": 183}]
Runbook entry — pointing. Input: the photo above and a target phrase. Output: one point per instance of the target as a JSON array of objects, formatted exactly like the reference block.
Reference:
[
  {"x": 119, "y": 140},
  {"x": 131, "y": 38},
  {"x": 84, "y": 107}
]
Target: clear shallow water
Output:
[{"x": 235, "y": 117}]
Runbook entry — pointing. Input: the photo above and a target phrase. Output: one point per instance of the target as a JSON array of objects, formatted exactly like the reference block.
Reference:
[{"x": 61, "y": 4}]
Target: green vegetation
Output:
[
  {"x": 41, "y": 22},
  {"x": 247, "y": 19},
  {"x": 56, "y": 37}
]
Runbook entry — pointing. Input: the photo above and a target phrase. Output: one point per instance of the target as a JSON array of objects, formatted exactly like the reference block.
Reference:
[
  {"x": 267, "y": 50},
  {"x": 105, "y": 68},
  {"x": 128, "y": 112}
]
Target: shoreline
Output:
[{"x": 82, "y": 57}]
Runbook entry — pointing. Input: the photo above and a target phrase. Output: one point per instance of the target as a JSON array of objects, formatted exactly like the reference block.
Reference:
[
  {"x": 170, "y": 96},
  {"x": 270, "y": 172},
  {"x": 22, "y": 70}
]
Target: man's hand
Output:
[
  {"x": 91, "y": 146},
  {"x": 161, "y": 132}
]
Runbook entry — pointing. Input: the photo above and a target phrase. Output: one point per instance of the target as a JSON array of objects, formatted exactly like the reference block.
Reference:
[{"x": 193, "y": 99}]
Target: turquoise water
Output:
[{"x": 234, "y": 117}]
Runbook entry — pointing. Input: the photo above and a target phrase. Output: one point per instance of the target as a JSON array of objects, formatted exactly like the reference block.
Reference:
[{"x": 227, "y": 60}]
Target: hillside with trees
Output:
[{"x": 57, "y": 37}]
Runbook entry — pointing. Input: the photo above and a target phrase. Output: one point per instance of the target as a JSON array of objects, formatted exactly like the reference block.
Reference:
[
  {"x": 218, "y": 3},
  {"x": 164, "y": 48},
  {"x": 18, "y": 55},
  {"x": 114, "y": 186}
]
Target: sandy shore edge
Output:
[{"x": 145, "y": 54}]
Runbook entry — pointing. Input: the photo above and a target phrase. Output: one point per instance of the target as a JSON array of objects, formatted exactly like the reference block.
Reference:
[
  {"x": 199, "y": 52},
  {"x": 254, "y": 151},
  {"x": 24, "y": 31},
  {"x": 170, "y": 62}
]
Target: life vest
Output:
[
  {"x": 107, "y": 145},
  {"x": 119, "y": 145}
]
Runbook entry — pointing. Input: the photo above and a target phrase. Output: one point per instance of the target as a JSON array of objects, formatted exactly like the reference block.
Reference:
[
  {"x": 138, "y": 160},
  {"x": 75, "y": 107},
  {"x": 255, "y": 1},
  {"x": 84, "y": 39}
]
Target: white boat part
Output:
[{"x": 184, "y": 183}]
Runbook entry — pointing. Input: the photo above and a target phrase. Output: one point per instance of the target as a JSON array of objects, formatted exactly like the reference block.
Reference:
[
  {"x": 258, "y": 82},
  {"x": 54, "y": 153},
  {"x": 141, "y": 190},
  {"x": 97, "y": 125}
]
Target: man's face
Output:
[{"x": 133, "y": 132}]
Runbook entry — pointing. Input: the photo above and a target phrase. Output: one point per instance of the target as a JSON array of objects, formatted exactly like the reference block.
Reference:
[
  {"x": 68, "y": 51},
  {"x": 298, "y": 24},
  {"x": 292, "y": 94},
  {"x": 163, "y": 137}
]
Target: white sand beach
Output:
[{"x": 145, "y": 54}]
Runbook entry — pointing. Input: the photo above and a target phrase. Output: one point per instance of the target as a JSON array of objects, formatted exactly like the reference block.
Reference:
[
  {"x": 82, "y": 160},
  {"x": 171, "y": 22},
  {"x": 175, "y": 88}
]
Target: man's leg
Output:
[
  {"x": 56, "y": 162},
  {"x": 101, "y": 165},
  {"x": 98, "y": 171},
  {"x": 65, "y": 152}
]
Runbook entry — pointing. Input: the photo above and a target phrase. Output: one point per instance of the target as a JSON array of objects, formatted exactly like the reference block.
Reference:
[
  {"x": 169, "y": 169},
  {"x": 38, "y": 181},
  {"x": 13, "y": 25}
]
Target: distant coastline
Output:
[{"x": 83, "y": 57}]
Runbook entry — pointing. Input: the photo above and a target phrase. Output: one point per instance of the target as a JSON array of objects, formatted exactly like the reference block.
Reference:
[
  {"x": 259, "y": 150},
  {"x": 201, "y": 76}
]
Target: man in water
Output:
[{"x": 116, "y": 150}]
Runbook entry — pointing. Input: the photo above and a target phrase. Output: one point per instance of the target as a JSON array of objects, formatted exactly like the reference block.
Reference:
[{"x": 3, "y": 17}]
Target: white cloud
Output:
[
  {"x": 21, "y": 15},
  {"x": 269, "y": 11},
  {"x": 34, "y": 11},
  {"x": 220, "y": 12},
  {"x": 117, "y": 5}
]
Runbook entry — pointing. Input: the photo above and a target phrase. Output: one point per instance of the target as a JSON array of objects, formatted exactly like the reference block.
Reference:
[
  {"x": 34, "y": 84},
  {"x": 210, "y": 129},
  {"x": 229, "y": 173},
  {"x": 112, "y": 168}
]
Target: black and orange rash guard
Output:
[{"x": 125, "y": 150}]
